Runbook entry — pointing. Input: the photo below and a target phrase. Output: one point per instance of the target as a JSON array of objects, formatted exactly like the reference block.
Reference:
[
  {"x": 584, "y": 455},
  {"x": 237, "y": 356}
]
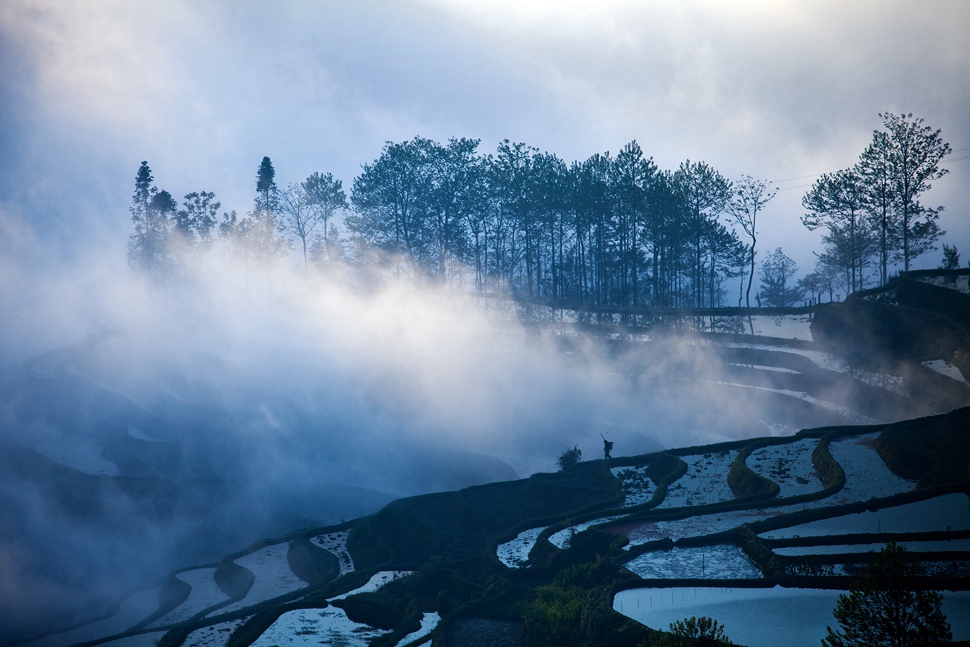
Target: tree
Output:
[
  {"x": 951, "y": 258},
  {"x": 632, "y": 175},
  {"x": 725, "y": 252},
  {"x": 550, "y": 190},
  {"x": 875, "y": 173},
  {"x": 164, "y": 207},
  {"x": 842, "y": 252},
  {"x": 824, "y": 279},
  {"x": 694, "y": 631},
  {"x": 706, "y": 193},
  {"x": 511, "y": 176},
  {"x": 267, "y": 194},
  {"x": 150, "y": 210},
  {"x": 455, "y": 176},
  {"x": 196, "y": 220},
  {"x": 883, "y": 608},
  {"x": 143, "y": 192},
  {"x": 297, "y": 217},
  {"x": 914, "y": 152},
  {"x": 666, "y": 236},
  {"x": 750, "y": 197},
  {"x": 231, "y": 230},
  {"x": 777, "y": 288},
  {"x": 389, "y": 201},
  {"x": 837, "y": 201},
  {"x": 593, "y": 221},
  {"x": 569, "y": 458},
  {"x": 326, "y": 196},
  {"x": 261, "y": 227}
]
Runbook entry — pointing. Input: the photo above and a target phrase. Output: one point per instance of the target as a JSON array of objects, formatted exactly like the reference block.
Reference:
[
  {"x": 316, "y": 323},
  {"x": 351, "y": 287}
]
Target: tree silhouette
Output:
[
  {"x": 749, "y": 199},
  {"x": 837, "y": 201},
  {"x": 569, "y": 458},
  {"x": 951, "y": 258},
  {"x": 777, "y": 288},
  {"x": 261, "y": 229},
  {"x": 706, "y": 193},
  {"x": 883, "y": 609},
  {"x": 153, "y": 214},
  {"x": 876, "y": 175},
  {"x": 195, "y": 222},
  {"x": 914, "y": 152},
  {"x": 325, "y": 196},
  {"x": 697, "y": 632}
]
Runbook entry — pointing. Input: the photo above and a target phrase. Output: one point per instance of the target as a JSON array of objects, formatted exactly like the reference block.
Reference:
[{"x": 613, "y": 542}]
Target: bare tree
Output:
[
  {"x": 298, "y": 218},
  {"x": 308, "y": 207},
  {"x": 750, "y": 197}
]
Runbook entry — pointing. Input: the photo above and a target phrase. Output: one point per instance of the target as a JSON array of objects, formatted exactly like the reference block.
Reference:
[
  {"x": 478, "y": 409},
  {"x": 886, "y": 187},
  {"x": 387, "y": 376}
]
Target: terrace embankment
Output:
[{"x": 932, "y": 451}]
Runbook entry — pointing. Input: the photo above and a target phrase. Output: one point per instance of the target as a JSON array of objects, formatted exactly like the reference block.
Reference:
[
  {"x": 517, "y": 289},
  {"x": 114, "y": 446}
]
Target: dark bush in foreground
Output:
[
  {"x": 570, "y": 458},
  {"x": 883, "y": 609},
  {"x": 574, "y": 610},
  {"x": 695, "y": 632}
]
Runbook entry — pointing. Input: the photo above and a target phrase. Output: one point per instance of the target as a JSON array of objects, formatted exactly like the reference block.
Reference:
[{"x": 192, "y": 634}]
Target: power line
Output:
[
  {"x": 804, "y": 177},
  {"x": 800, "y": 177}
]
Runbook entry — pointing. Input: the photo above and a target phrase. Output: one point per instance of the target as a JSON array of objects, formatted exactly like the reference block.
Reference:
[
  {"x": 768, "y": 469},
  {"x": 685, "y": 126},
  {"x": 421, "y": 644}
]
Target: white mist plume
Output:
[{"x": 260, "y": 400}]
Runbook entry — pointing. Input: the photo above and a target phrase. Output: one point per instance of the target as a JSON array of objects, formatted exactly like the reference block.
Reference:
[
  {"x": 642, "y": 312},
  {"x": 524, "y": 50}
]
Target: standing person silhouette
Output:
[{"x": 607, "y": 447}]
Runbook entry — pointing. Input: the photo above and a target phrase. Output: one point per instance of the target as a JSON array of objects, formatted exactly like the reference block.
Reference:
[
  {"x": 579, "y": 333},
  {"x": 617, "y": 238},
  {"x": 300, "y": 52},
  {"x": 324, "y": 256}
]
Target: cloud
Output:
[{"x": 204, "y": 90}]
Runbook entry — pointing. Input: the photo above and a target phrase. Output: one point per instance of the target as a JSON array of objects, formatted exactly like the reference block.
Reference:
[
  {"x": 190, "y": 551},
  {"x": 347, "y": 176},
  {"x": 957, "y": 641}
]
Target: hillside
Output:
[
  {"x": 479, "y": 557},
  {"x": 546, "y": 559}
]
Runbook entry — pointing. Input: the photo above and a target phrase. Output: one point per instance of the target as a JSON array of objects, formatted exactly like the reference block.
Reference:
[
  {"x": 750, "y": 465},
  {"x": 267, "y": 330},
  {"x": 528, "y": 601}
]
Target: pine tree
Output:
[
  {"x": 777, "y": 288},
  {"x": 697, "y": 632},
  {"x": 914, "y": 154},
  {"x": 152, "y": 213},
  {"x": 883, "y": 609},
  {"x": 837, "y": 201},
  {"x": 261, "y": 228}
]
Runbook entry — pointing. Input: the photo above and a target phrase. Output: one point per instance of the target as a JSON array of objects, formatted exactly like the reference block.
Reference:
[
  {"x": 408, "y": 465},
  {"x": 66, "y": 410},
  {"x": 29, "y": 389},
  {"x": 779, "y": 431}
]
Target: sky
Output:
[{"x": 777, "y": 90}]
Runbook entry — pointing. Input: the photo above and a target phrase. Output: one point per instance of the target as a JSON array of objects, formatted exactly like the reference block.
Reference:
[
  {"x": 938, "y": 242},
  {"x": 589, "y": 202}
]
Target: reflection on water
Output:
[
  {"x": 799, "y": 615},
  {"x": 947, "y": 512},
  {"x": 841, "y": 549}
]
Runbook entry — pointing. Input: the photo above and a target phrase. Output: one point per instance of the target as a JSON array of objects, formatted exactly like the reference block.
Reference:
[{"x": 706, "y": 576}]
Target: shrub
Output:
[
  {"x": 691, "y": 632},
  {"x": 882, "y": 608},
  {"x": 574, "y": 610},
  {"x": 570, "y": 458}
]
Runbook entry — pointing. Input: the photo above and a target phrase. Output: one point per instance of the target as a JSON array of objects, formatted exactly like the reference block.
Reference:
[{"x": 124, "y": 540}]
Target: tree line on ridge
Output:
[{"x": 613, "y": 230}]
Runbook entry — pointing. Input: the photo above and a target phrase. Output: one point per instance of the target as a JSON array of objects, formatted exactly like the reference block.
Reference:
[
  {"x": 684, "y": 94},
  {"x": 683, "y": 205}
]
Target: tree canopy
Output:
[
  {"x": 610, "y": 230},
  {"x": 886, "y": 608},
  {"x": 872, "y": 211}
]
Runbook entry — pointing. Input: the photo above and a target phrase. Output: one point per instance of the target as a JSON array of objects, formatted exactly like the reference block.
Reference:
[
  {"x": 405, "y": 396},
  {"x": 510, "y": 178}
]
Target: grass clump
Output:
[{"x": 570, "y": 458}]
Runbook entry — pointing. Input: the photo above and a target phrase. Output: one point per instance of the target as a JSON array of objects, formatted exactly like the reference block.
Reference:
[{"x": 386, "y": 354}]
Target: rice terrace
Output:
[{"x": 730, "y": 530}]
